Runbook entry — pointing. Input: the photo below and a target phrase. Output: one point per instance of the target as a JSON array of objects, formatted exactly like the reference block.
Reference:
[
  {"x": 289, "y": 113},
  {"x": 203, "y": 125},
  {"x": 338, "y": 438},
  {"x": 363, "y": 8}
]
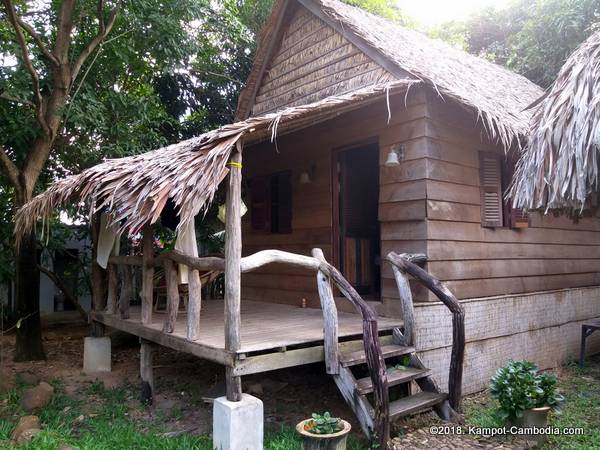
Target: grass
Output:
[
  {"x": 581, "y": 388},
  {"x": 100, "y": 420}
]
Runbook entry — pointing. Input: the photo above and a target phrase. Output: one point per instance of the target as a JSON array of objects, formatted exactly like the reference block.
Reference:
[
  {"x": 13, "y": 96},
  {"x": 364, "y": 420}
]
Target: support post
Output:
[
  {"x": 408, "y": 313},
  {"x": 98, "y": 278},
  {"x": 147, "y": 273},
  {"x": 172, "y": 296},
  {"x": 113, "y": 281},
  {"x": 194, "y": 305},
  {"x": 126, "y": 290},
  {"x": 330, "y": 318},
  {"x": 233, "y": 256},
  {"x": 146, "y": 373}
]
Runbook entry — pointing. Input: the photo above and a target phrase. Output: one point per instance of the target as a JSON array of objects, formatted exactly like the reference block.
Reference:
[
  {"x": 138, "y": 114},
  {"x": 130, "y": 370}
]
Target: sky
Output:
[{"x": 434, "y": 12}]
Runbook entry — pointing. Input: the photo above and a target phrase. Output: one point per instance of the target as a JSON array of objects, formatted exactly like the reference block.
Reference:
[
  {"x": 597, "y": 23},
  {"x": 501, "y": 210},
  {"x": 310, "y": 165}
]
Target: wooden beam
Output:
[
  {"x": 194, "y": 262},
  {"x": 264, "y": 257},
  {"x": 130, "y": 260},
  {"x": 172, "y": 296},
  {"x": 98, "y": 278},
  {"x": 147, "y": 273},
  {"x": 154, "y": 334},
  {"x": 146, "y": 372},
  {"x": 330, "y": 318},
  {"x": 233, "y": 256}
]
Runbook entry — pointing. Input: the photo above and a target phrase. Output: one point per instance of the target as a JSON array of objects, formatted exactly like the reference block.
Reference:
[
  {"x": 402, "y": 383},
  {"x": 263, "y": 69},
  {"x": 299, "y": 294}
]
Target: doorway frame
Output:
[{"x": 335, "y": 194}]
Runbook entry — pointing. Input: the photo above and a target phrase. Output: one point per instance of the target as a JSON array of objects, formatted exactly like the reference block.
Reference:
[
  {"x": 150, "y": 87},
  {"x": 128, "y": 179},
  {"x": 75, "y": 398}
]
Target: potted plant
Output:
[
  {"x": 525, "y": 395},
  {"x": 323, "y": 432}
]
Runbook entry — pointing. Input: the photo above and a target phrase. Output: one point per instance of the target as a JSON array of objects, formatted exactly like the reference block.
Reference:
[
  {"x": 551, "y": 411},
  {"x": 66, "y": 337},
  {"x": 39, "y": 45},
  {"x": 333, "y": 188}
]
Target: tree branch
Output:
[
  {"x": 103, "y": 30},
  {"x": 67, "y": 293},
  {"x": 31, "y": 32},
  {"x": 10, "y": 98},
  {"x": 9, "y": 169},
  {"x": 37, "y": 95}
]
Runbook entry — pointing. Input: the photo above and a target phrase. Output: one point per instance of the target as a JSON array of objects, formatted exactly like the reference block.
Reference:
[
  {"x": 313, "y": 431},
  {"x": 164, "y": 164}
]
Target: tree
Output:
[
  {"x": 533, "y": 38},
  {"x": 60, "y": 115}
]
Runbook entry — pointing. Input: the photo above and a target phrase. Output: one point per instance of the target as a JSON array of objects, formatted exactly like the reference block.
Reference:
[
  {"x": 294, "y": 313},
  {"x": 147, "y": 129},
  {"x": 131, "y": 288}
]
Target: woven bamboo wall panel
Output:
[{"x": 312, "y": 62}]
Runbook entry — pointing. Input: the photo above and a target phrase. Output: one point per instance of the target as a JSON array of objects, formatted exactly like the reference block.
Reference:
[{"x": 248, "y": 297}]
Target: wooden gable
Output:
[{"x": 312, "y": 61}]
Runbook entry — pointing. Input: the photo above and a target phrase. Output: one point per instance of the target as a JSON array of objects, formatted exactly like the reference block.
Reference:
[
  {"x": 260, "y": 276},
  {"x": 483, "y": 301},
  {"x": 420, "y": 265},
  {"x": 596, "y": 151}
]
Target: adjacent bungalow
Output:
[{"x": 373, "y": 143}]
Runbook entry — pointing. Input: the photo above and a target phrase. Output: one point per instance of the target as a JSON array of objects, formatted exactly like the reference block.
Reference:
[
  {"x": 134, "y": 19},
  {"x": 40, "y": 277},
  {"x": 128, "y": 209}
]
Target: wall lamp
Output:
[
  {"x": 395, "y": 155},
  {"x": 307, "y": 176}
]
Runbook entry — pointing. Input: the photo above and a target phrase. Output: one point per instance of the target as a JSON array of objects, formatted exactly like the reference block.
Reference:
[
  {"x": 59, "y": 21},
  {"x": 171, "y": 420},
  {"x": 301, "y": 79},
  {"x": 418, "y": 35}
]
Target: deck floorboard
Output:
[{"x": 264, "y": 326}]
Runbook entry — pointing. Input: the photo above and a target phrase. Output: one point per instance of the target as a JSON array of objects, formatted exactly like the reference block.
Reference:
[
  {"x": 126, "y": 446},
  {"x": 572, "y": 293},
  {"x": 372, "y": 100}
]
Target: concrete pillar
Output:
[
  {"x": 96, "y": 354},
  {"x": 238, "y": 425}
]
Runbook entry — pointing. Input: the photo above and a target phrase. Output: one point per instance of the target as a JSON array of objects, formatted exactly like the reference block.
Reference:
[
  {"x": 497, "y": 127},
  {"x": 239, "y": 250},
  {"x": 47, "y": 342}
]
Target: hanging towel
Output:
[
  {"x": 108, "y": 241},
  {"x": 186, "y": 243}
]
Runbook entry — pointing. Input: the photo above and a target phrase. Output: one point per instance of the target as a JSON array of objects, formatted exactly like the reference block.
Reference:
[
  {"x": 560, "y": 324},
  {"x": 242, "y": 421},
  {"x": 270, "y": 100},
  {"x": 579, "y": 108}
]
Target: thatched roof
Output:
[
  {"x": 497, "y": 94},
  {"x": 559, "y": 166},
  {"x": 135, "y": 189}
]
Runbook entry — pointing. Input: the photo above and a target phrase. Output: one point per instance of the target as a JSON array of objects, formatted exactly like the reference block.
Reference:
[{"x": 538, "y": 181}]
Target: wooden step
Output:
[
  {"x": 359, "y": 357},
  {"x": 415, "y": 403},
  {"x": 395, "y": 377}
]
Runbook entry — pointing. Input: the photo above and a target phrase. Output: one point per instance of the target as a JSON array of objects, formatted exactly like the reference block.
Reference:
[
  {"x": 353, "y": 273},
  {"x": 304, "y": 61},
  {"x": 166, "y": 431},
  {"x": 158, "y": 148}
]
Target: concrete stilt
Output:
[
  {"x": 238, "y": 425},
  {"x": 96, "y": 354}
]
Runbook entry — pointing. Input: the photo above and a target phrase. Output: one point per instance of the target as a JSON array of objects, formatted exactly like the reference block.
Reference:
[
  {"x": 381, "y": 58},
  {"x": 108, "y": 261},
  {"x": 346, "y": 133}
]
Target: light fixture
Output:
[
  {"x": 307, "y": 176},
  {"x": 395, "y": 155}
]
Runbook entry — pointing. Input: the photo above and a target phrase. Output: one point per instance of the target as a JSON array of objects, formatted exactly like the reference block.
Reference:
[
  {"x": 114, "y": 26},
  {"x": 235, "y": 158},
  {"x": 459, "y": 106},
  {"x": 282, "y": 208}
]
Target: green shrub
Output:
[{"x": 520, "y": 386}]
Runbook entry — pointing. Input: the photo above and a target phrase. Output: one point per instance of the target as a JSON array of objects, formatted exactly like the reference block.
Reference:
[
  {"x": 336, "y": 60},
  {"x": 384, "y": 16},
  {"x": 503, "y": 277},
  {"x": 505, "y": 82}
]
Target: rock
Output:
[
  {"x": 27, "y": 428},
  {"x": 37, "y": 397},
  {"x": 28, "y": 378},
  {"x": 7, "y": 381}
]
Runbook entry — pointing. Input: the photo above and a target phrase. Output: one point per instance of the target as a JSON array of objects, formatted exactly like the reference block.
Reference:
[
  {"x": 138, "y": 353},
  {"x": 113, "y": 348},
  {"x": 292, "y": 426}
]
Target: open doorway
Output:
[{"x": 356, "y": 228}]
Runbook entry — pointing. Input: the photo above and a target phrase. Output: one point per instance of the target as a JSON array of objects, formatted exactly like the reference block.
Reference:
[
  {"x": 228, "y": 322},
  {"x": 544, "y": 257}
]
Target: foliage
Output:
[
  {"x": 519, "y": 386},
  {"x": 532, "y": 38},
  {"x": 107, "y": 423},
  {"x": 324, "y": 424}
]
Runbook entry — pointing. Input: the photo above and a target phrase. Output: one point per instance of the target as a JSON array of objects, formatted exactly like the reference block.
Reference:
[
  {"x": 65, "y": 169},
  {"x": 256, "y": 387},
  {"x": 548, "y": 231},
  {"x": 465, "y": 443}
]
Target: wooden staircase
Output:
[
  {"x": 404, "y": 370},
  {"x": 365, "y": 377}
]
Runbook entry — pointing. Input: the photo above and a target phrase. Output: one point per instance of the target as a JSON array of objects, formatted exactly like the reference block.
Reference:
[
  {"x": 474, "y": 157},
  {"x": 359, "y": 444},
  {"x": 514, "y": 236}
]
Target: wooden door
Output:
[{"x": 357, "y": 229}]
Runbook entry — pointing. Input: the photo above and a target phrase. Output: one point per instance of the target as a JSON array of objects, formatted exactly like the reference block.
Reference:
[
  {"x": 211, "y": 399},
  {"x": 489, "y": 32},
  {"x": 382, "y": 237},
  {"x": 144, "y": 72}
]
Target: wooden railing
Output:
[{"x": 406, "y": 264}]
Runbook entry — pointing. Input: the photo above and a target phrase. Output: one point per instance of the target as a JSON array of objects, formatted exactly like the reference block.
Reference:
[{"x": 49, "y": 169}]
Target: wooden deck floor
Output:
[{"x": 264, "y": 327}]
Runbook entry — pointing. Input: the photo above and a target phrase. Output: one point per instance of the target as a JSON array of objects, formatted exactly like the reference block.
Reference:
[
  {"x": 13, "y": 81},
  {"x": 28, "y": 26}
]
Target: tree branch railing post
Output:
[
  {"x": 406, "y": 265},
  {"x": 147, "y": 274},
  {"x": 330, "y": 318}
]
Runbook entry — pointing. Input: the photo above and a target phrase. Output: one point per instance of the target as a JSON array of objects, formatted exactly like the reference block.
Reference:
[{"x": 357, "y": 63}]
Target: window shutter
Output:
[
  {"x": 519, "y": 218},
  {"x": 259, "y": 203},
  {"x": 490, "y": 173}
]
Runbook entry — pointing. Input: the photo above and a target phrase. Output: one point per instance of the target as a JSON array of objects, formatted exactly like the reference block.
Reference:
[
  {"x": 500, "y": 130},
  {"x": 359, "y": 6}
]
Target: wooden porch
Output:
[{"x": 293, "y": 334}]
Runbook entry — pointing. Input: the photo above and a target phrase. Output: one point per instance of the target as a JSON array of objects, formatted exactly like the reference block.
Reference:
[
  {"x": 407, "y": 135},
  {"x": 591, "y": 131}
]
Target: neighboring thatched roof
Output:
[
  {"x": 559, "y": 166},
  {"x": 498, "y": 95},
  {"x": 135, "y": 189}
]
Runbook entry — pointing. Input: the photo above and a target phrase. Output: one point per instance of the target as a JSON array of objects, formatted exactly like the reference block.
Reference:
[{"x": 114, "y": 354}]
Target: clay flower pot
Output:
[{"x": 334, "y": 441}]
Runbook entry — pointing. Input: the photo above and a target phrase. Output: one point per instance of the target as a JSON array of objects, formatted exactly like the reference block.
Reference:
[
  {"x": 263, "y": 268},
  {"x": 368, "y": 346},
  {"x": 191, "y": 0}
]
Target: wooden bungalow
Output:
[{"x": 364, "y": 144}]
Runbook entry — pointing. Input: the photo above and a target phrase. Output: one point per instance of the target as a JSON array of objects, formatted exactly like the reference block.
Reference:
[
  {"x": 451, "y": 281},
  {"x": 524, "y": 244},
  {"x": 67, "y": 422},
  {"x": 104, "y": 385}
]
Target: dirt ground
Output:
[{"x": 183, "y": 383}]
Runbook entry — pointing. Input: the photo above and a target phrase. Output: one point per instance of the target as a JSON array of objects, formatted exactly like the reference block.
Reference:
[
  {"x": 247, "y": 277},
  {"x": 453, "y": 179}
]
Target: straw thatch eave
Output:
[
  {"x": 135, "y": 189},
  {"x": 559, "y": 167},
  {"x": 500, "y": 97}
]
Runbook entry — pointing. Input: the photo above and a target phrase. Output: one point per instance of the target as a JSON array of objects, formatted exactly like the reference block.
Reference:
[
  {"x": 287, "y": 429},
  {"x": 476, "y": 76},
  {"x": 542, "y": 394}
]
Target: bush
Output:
[{"x": 520, "y": 386}]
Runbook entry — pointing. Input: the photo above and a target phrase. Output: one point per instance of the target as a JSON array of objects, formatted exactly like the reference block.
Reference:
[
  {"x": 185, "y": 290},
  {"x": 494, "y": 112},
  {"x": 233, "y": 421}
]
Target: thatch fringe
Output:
[
  {"x": 559, "y": 166},
  {"x": 135, "y": 189}
]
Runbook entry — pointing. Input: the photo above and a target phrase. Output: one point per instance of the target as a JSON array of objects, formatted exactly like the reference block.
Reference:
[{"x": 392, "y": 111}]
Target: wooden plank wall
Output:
[
  {"x": 312, "y": 62},
  {"x": 553, "y": 253},
  {"x": 312, "y": 203}
]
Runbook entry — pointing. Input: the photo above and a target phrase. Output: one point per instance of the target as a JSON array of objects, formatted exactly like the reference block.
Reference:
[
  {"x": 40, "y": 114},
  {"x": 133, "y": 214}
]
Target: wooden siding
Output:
[
  {"x": 313, "y": 61},
  {"x": 402, "y": 202},
  {"x": 553, "y": 253}
]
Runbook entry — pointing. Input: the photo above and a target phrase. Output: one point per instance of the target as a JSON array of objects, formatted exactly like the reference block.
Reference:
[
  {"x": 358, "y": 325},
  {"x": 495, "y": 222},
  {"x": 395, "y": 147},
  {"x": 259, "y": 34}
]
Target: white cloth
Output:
[
  {"x": 186, "y": 243},
  {"x": 108, "y": 241}
]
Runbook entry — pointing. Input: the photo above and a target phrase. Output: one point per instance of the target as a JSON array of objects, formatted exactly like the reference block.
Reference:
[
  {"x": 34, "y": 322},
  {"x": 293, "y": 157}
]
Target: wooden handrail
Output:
[{"x": 405, "y": 264}]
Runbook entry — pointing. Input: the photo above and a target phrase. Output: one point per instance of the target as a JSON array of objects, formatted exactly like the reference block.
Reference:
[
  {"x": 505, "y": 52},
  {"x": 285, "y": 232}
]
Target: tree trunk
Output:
[{"x": 29, "y": 333}]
